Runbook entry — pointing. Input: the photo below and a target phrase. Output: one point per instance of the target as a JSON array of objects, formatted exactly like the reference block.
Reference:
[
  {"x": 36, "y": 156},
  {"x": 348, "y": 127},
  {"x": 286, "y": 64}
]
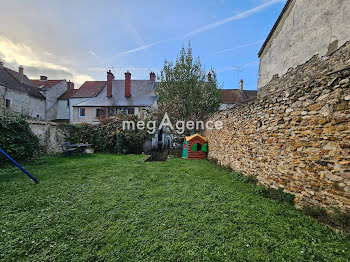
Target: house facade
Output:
[
  {"x": 87, "y": 91},
  {"x": 129, "y": 96},
  {"x": 305, "y": 28},
  {"x": 36, "y": 98},
  {"x": 19, "y": 95}
]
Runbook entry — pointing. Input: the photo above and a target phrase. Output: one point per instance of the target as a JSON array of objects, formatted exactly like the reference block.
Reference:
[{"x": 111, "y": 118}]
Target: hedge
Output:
[{"x": 16, "y": 138}]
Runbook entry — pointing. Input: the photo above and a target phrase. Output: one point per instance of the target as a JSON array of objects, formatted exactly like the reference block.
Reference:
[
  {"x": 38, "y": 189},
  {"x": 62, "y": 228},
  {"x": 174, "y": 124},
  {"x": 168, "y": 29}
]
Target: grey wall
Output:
[
  {"x": 62, "y": 110},
  {"x": 51, "y": 135},
  {"x": 23, "y": 103},
  {"x": 310, "y": 27},
  {"x": 2, "y": 99},
  {"x": 51, "y": 95}
]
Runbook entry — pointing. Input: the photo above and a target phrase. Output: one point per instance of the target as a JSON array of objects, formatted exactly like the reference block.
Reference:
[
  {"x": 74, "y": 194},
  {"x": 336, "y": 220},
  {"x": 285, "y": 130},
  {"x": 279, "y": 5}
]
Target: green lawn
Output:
[{"x": 118, "y": 208}]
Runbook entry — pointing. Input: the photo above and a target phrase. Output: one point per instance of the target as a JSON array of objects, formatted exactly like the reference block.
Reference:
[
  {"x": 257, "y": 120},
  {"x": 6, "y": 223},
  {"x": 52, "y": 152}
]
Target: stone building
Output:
[
  {"x": 304, "y": 28},
  {"x": 37, "y": 98},
  {"x": 18, "y": 94}
]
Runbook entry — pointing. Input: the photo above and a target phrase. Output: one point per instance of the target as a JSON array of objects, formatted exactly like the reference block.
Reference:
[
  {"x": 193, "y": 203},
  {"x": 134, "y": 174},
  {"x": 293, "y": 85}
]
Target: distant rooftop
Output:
[
  {"x": 142, "y": 94},
  {"x": 237, "y": 96},
  {"x": 89, "y": 89}
]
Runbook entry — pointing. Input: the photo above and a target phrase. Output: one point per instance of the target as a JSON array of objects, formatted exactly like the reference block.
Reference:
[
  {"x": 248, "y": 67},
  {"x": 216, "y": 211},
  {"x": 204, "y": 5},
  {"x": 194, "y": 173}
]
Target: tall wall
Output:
[
  {"x": 62, "y": 110},
  {"x": 298, "y": 136},
  {"x": 2, "y": 99},
  {"x": 23, "y": 103},
  {"x": 310, "y": 27},
  {"x": 51, "y": 95},
  {"x": 51, "y": 135}
]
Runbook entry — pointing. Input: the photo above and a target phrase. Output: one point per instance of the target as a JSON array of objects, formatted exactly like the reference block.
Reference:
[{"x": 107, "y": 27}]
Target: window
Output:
[
  {"x": 100, "y": 113},
  {"x": 196, "y": 147},
  {"x": 131, "y": 111},
  {"x": 125, "y": 110},
  {"x": 81, "y": 112},
  {"x": 111, "y": 111},
  {"x": 8, "y": 103},
  {"x": 68, "y": 103}
]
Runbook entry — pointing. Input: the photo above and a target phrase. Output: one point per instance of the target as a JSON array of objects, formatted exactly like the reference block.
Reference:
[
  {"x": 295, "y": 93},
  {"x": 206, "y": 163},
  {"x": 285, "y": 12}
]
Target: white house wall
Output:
[
  {"x": 23, "y": 103},
  {"x": 2, "y": 99},
  {"x": 73, "y": 102},
  {"x": 310, "y": 27}
]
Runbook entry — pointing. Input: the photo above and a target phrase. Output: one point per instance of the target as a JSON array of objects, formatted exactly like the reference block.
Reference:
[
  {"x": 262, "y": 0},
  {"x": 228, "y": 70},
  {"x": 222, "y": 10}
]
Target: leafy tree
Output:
[{"x": 183, "y": 91}]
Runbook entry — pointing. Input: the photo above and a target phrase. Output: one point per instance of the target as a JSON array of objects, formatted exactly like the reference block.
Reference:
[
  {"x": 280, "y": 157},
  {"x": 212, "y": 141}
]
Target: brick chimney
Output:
[
  {"x": 128, "y": 84},
  {"x": 209, "y": 77},
  {"x": 70, "y": 85},
  {"x": 241, "y": 85},
  {"x": 43, "y": 78},
  {"x": 110, "y": 77},
  {"x": 21, "y": 75},
  {"x": 152, "y": 76}
]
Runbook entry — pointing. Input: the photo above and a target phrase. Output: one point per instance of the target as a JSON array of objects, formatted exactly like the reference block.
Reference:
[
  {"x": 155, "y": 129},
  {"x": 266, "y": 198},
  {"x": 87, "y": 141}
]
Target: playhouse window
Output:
[{"x": 196, "y": 147}]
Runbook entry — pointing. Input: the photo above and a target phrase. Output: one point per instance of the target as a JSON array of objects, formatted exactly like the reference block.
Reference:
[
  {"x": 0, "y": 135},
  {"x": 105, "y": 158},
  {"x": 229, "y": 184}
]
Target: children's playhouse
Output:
[{"x": 195, "y": 147}]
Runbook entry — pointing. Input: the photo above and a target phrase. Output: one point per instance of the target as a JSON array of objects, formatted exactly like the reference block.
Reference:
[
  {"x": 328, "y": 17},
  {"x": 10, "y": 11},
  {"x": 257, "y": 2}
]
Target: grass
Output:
[{"x": 118, "y": 208}]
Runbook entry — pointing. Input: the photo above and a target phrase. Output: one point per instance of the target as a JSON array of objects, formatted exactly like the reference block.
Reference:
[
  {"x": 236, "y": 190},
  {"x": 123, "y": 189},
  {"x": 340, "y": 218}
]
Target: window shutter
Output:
[
  {"x": 205, "y": 148},
  {"x": 194, "y": 147}
]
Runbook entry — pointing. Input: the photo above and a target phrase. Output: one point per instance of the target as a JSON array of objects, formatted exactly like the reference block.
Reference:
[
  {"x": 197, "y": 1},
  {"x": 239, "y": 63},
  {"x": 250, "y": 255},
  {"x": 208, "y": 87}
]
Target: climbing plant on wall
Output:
[{"x": 16, "y": 138}]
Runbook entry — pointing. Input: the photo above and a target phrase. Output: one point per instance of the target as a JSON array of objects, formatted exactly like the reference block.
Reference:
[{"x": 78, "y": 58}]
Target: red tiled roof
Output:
[
  {"x": 89, "y": 89},
  {"x": 46, "y": 83},
  {"x": 236, "y": 96},
  {"x": 66, "y": 95}
]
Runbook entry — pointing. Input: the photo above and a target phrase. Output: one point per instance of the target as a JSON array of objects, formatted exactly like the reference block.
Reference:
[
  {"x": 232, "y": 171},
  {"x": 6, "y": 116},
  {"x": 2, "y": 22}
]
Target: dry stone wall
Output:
[{"x": 296, "y": 134}]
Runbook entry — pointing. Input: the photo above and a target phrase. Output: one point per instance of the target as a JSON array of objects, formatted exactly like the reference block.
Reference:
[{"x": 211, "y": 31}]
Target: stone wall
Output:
[
  {"x": 51, "y": 135},
  {"x": 296, "y": 134}
]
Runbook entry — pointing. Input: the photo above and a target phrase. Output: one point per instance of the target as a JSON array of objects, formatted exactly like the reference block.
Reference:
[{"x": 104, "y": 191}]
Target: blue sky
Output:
[{"x": 80, "y": 40}]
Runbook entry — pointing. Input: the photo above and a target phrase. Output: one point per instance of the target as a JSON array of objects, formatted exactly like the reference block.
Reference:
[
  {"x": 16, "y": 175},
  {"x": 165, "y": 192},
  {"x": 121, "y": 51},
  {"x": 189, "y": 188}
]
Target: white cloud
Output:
[
  {"x": 140, "y": 48},
  {"x": 238, "y": 47},
  {"x": 92, "y": 53},
  {"x": 37, "y": 62},
  {"x": 233, "y": 18},
  {"x": 206, "y": 27}
]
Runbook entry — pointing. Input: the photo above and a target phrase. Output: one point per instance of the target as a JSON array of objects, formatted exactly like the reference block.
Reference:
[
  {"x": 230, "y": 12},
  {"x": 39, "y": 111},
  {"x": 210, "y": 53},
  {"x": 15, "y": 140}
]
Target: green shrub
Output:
[
  {"x": 109, "y": 137},
  {"x": 16, "y": 138}
]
